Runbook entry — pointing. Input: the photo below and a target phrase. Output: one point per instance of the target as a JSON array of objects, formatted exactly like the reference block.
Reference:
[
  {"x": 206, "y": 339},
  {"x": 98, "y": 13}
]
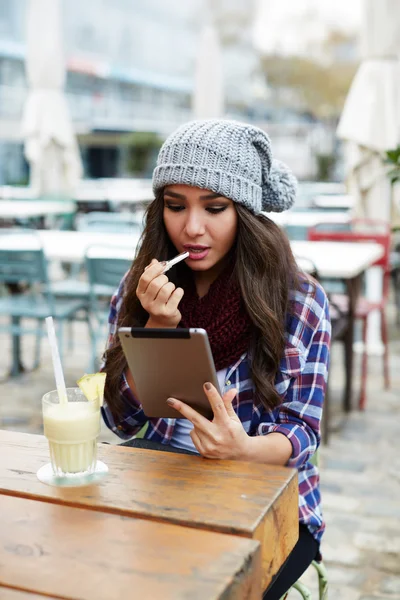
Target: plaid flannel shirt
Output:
[{"x": 300, "y": 381}]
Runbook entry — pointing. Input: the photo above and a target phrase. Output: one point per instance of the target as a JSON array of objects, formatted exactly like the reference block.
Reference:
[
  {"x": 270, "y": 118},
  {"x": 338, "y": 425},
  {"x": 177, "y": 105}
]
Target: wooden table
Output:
[
  {"x": 175, "y": 526},
  {"x": 12, "y": 594}
]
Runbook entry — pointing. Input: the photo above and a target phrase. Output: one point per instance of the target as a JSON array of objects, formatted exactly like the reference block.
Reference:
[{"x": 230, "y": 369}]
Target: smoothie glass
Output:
[{"x": 71, "y": 429}]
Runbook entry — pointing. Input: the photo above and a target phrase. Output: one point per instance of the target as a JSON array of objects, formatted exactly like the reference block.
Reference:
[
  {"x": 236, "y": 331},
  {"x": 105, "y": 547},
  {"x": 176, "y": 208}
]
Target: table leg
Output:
[
  {"x": 17, "y": 367},
  {"x": 353, "y": 289}
]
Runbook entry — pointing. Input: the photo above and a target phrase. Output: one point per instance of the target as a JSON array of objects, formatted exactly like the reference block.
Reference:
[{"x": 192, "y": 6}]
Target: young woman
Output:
[{"x": 267, "y": 322}]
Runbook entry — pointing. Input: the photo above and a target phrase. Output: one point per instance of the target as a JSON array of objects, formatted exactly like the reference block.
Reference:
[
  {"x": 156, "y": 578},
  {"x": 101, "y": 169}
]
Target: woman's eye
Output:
[
  {"x": 216, "y": 209},
  {"x": 174, "y": 207}
]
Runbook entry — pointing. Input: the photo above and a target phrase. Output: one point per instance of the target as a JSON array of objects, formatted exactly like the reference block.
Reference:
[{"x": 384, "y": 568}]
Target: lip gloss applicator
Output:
[{"x": 175, "y": 260}]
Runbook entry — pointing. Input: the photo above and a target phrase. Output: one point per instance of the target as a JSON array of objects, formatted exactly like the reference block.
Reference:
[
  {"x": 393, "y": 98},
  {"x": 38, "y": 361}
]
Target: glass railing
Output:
[{"x": 103, "y": 112}]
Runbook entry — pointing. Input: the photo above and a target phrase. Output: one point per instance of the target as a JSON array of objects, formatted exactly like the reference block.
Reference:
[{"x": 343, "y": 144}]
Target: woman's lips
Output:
[{"x": 197, "y": 253}]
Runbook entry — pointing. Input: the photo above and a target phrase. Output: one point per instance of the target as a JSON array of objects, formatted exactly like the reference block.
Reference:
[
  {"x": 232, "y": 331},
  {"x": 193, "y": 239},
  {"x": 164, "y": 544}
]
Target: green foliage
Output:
[
  {"x": 325, "y": 166},
  {"x": 22, "y": 181},
  {"x": 142, "y": 147},
  {"x": 393, "y": 158},
  {"x": 318, "y": 87}
]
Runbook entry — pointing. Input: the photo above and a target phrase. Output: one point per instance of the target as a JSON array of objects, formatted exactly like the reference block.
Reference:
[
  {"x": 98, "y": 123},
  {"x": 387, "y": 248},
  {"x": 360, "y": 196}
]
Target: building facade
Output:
[{"x": 130, "y": 69}]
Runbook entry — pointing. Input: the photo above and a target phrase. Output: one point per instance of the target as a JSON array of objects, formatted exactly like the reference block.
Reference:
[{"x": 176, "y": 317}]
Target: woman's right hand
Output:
[{"x": 159, "y": 297}]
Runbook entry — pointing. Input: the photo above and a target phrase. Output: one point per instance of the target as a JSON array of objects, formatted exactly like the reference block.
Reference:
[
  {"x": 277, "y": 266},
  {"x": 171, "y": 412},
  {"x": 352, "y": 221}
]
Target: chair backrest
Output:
[
  {"x": 357, "y": 230},
  {"x": 106, "y": 271},
  {"x": 23, "y": 266},
  {"x": 105, "y": 268},
  {"x": 108, "y": 222}
]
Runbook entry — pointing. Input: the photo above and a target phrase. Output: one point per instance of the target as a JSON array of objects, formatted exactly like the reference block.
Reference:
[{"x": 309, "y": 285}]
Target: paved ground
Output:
[{"x": 360, "y": 468}]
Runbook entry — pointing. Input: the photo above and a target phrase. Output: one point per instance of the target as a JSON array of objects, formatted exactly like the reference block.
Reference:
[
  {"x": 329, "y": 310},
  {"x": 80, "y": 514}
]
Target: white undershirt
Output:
[{"x": 181, "y": 435}]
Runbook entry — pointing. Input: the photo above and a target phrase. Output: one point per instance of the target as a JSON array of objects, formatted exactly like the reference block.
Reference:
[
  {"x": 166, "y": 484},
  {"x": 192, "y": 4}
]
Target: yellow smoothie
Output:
[{"x": 72, "y": 429}]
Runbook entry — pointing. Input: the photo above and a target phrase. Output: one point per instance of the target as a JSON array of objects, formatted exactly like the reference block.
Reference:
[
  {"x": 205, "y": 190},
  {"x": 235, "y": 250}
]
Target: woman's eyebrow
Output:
[
  {"x": 211, "y": 196},
  {"x": 174, "y": 195}
]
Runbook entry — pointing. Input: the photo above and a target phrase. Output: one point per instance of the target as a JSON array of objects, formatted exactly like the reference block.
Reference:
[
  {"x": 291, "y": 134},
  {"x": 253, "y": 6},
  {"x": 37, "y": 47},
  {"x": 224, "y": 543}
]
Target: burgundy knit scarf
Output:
[{"x": 221, "y": 312}]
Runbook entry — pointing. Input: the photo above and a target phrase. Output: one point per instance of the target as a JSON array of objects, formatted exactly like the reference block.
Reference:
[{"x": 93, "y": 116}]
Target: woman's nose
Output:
[{"x": 194, "y": 225}]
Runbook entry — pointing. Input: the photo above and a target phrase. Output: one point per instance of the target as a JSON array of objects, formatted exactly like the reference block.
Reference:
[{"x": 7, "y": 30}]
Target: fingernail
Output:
[
  {"x": 207, "y": 386},
  {"x": 171, "y": 402},
  {"x": 153, "y": 260},
  {"x": 163, "y": 263}
]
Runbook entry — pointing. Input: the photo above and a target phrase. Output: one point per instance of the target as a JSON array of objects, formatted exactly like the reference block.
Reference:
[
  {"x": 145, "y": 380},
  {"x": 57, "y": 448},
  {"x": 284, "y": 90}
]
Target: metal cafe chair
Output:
[
  {"x": 318, "y": 565},
  {"x": 29, "y": 296},
  {"x": 339, "y": 323},
  {"x": 363, "y": 230},
  {"x": 105, "y": 268}
]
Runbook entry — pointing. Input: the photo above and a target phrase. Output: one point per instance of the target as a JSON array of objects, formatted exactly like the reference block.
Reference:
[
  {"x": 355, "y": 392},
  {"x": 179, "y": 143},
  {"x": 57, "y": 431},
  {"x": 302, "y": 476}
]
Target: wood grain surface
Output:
[
  {"x": 245, "y": 499},
  {"x": 12, "y": 594},
  {"x": 88, "y": 555}
]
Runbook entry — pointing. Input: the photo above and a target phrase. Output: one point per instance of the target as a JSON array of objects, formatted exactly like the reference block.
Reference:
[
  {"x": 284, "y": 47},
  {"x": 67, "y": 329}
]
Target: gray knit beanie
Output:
[{"x": 229, "y": 158}]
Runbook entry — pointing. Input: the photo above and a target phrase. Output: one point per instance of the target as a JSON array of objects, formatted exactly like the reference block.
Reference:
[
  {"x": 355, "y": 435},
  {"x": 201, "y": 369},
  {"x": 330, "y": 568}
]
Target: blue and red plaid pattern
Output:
[{"x": 300, "y": 381}]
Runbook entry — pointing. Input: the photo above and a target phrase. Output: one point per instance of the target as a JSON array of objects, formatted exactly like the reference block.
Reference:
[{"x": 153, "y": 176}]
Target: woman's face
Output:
[{"x": 201, "y": 222}]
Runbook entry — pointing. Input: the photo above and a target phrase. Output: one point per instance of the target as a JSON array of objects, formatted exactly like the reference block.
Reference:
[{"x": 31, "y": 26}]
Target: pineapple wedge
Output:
[{"x": 92, "y": 386}]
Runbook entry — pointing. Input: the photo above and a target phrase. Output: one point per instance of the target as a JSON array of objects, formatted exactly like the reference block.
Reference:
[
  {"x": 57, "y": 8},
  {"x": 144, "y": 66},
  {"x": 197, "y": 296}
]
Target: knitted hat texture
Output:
[{"x": 230, "y": 158}]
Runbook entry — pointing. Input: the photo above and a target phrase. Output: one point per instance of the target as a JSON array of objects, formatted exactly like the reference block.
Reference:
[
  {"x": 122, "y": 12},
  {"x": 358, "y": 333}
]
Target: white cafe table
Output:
[
  {"x": 343, "y": 201},
  {"x": 133, "y": 194},
  {"x": 130, "y": 194},
  {"x": 308, "y": 218},
  {"x": 20, "y": 192},
  {"x": 346, "y": 262},
  {"x": 29, "y": 209},
  {"x": 338, "y": 260},
  {"x": 68, "y": 246},
  {"x": 343, "y": 261}
]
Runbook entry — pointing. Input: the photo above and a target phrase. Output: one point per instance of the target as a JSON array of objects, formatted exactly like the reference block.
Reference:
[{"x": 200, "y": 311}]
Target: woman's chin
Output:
[{"x": 200, "y": 265}]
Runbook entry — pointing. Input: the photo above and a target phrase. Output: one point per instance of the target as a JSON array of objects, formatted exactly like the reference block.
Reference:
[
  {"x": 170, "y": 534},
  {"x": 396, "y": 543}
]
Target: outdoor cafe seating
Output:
[
  {"x": 29, "y": 296},
  {"x": 95, "y": 275},
  {"x": 362, "y": 230}
]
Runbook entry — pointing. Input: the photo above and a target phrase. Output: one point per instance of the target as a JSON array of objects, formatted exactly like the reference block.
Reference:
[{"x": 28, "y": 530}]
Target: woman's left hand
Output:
[{"x": 224, "y": 436}]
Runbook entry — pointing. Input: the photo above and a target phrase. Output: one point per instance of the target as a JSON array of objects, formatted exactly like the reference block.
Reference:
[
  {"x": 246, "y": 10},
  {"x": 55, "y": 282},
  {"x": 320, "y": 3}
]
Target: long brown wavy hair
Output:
[{"x": 266, "y": 271}]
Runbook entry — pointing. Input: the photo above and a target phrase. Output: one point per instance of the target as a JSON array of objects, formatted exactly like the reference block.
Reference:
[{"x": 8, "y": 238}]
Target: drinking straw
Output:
[{"x": 58, "y": 372}]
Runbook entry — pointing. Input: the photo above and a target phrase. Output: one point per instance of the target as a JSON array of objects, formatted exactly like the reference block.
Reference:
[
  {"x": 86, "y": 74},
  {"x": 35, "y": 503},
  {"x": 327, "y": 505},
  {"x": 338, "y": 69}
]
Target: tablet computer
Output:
[{"x": 169, "y": 363}]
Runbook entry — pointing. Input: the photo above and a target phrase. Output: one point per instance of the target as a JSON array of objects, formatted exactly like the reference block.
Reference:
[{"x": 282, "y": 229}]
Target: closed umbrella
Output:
[
  {"x": 50, "y": 144},
  {"x": 370, "y": 125},
  {"x": 370, "y": 121},
  {"x": 208, "y": 97}
]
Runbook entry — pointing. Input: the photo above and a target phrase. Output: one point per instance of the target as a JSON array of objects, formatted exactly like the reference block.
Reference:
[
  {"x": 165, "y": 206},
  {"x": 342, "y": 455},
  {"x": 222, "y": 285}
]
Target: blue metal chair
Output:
[
  {"x": 317, "y": 565},
  {"x": 105, "y": 268},
  {"x": 109, "y": 222},
  {"x": 29, "y": 296}
]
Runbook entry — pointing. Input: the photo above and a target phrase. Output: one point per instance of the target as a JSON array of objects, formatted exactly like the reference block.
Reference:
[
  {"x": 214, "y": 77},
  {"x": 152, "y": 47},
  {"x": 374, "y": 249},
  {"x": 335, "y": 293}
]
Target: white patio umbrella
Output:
[
  {"x": 50, "y": 144},
  {"x": 208, "y": 97},
  {"x": 370, "y": 121},
  {"x": 370, "y": 125}
]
